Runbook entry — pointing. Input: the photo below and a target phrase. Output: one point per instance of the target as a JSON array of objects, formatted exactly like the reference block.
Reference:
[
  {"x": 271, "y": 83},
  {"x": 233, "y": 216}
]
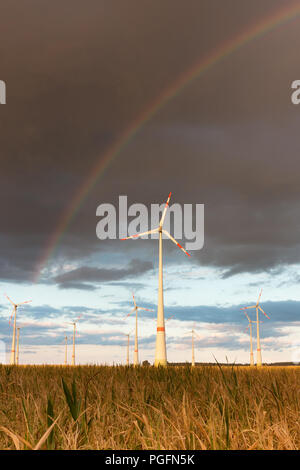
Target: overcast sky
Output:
[{"x": 78, "y": 74}]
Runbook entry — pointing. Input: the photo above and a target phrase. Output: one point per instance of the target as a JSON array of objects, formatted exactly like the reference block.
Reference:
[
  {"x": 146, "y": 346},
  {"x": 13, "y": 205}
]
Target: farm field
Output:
[{"x": 102, "y": 407}]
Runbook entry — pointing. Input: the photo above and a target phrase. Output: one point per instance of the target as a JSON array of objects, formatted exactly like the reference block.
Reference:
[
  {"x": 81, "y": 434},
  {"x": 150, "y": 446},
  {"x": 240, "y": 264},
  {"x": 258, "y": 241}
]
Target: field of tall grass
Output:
[{"x": 99, "y": 407}]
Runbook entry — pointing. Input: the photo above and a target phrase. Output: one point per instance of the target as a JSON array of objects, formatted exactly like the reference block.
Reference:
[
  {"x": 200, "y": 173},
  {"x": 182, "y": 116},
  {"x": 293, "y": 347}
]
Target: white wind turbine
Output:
[
  {"x": 160, "y": 351},
  {"x": 251, "y": 341},
  {"x": 136, "y": 348},
  {"x": 74, "y": 323},
  {"x": 65, "y": 342},
  {"x": 127, "y": 349},
  {"x": 193, "y": 332},
  {"x": 18, "y": 341},
  {"x": 258, "y": 307},
  {"x": 14, "y": 315}
]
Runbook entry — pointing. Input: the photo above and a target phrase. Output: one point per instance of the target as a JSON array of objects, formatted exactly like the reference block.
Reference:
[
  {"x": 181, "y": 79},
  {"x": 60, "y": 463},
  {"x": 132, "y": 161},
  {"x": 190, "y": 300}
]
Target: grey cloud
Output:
[
  {"x": 77, "y": 286},
  {"x": 229, "y": 140},
  {"x": 89, "y": 274}
]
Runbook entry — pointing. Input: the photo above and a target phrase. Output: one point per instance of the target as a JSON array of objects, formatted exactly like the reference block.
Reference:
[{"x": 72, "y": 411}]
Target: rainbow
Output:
[{"x": 275, "y": 19}]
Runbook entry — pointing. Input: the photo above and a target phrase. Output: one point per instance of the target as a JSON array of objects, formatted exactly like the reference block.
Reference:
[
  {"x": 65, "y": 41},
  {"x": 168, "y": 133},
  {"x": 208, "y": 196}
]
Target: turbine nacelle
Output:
[{"x": 160, "y": 229}]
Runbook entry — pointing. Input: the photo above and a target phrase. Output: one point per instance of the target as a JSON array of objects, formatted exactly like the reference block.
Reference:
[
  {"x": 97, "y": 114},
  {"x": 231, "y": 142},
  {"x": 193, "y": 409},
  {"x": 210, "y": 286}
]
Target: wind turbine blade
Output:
[
  {"x": 259, "y": 297},
  {"x": 10, "y": 300},
  {"x": 147, "y": 309},
  {"x": 169, "y": 318},
  {"x": 252, "y": 306},
  {"x": 247, "y": 317},
  {"x": 199, "y": 337},
  {"x": 10, "y": 318},
  {"x": 134, "y": 300},
  {"x": 133, "y": 310},
  {"x": 141, "y": 234},
  {"x": 26, "y": 302},
  {"x": 263, "y": 312},
  {"x": 176, "y": 243},
  {"x": 165, "y": 211}
]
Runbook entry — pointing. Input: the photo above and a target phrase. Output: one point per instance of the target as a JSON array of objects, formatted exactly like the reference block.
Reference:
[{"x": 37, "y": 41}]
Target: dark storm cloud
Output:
[
  {"x": 77, "y": 75},
  {"x": 77, "y": 277}
]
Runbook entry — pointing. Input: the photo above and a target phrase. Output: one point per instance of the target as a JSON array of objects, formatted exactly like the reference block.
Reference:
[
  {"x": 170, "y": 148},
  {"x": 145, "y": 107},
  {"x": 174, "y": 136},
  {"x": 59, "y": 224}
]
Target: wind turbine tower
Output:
[
  {"x": 73, "y": 351},
  {"x": 18, "y": 340},
  {"x": 257, "y": 308},
  {"x": 193, "y": 344},
  {"x": 136, "y": 346},
  {"x": 127, "y": 357},
  {"x": 251, "y": 340},
  {"x": 74, "y": 323},
  {"x": 66, "y": 351},
  {"x": 160, "y": 350},
  {"x": 14, "y": 315},
  {"x": 127, "y": 346}
]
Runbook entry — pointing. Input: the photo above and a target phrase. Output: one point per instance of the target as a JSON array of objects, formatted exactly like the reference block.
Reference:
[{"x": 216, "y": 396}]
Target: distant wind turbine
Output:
[
  {"x": 251, "y": 341},
  {"x": 258, "y": 307},
  {"x": 193, "y": 343},
  {"x": 65, "y": 342},
  {"x": 74, "y": 323},
  {"x": 127, "y": 349},
  {"x": 160, "y": 351},
  {"x": 14, "y": 316},
  {"x": 18, "y": 341},
  {"x": 136, "y": 347}
]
